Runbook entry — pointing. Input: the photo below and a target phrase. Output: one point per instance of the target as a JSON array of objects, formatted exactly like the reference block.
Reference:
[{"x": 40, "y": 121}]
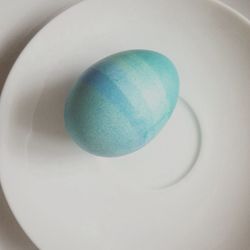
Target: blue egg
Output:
[{"x": 121, "y": 103}]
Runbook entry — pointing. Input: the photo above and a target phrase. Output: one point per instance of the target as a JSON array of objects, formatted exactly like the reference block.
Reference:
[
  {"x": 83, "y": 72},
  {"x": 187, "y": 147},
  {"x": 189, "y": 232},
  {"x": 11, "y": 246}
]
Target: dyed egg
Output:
[{"x": 120, "y": 103}]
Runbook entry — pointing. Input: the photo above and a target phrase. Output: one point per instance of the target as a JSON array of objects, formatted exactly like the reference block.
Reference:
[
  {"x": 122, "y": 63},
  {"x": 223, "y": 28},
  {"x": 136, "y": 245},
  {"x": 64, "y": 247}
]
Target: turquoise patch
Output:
[{"x": 120, "y": 103}]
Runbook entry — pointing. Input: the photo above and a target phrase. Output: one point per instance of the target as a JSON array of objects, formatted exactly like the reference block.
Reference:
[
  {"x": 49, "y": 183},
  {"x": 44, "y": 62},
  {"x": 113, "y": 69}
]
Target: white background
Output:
[{"x": 19, "y": 21}]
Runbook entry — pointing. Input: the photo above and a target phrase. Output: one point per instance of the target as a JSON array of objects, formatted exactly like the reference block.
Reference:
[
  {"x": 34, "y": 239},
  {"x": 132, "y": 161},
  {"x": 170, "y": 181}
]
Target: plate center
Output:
[{"x": 164, "y": 161}]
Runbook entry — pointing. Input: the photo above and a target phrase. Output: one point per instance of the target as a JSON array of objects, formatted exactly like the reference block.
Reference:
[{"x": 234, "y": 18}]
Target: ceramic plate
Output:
[{"x": 65, "y": 198}]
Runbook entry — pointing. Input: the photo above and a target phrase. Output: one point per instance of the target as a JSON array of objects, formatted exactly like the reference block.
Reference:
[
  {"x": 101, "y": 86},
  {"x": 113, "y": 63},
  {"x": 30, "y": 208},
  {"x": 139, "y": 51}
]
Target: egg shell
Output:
[{"x": 121, "y": 102}]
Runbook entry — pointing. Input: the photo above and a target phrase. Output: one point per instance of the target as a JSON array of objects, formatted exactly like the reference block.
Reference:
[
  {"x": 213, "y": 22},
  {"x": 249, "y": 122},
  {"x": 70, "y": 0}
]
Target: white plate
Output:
[{"x": 67, "y": 199}]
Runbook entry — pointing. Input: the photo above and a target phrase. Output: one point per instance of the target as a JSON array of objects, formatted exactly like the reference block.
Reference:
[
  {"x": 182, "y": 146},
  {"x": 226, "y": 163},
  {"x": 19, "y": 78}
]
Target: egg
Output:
[{"x": 121, "y": 102}]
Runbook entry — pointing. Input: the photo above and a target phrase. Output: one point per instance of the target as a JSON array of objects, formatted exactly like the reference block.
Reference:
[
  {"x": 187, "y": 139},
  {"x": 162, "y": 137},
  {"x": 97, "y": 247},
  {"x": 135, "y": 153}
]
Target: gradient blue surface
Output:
[{"x": 120, "y": 103}]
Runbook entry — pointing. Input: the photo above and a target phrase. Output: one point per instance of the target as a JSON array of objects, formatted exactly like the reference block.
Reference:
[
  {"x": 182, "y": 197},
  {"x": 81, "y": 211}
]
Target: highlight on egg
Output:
[{"x": 121, "y": 102}]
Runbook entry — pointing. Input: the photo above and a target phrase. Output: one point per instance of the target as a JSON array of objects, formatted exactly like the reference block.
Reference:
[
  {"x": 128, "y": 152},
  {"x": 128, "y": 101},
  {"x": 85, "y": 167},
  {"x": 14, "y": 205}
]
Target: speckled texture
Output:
[{"x": 120, "y": 103}]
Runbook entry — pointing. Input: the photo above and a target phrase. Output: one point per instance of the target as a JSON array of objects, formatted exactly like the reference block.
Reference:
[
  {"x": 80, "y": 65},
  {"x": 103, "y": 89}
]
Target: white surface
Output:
[
  {"x": 89, "y": 206},
  {"x": 16, "y": 29},
  {"x": 19, "y": 21}
]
